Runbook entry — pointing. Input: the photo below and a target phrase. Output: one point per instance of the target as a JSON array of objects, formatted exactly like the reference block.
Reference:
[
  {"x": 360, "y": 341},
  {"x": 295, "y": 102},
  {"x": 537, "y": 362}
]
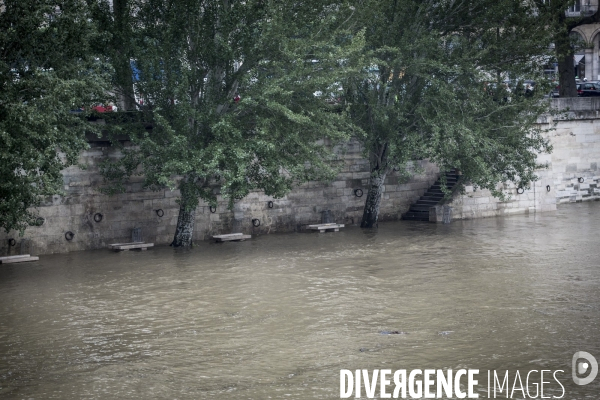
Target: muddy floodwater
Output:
[{"x": 279, "y": 316}]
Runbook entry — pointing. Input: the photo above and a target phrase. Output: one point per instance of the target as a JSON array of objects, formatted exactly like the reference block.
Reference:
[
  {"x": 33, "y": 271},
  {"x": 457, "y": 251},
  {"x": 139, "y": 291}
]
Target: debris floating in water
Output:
[{"x": 393, "y": 333}]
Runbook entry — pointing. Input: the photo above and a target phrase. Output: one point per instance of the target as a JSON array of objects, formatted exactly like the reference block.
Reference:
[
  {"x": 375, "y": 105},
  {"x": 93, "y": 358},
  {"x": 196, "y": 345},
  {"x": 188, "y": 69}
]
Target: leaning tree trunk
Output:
[
  {"x": 373, "y": 201},
  {"x": 185, "y": 226}
]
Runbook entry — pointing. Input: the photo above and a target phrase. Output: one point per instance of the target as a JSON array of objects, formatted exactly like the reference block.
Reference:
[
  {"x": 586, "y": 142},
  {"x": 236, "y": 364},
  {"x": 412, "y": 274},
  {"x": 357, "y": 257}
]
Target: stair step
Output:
[
  {"x": 417, "y": 212},
  {"x": 421, "y": 207},
  {"x": 431, "y": 198},
  {"x": 426, "y": 201},
  {"x": 439, "y": 187},
  {"x": 420, "y": 214},
  {"x": 414, "y": 218},
  {"x": 416, "y": 207}
]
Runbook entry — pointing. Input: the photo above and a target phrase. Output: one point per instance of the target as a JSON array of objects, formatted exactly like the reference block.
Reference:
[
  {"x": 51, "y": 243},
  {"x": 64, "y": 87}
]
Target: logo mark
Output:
[{"x": 580, "y": 367}]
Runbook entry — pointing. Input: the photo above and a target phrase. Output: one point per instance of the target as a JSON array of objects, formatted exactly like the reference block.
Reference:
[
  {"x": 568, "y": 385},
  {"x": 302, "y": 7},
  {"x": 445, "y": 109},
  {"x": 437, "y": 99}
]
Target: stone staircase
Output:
[{"x": 419, "y": 211}]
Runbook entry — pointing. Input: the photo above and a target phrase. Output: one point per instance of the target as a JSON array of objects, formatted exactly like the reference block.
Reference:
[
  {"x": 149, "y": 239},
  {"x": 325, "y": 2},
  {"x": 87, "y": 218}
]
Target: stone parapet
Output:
[{"x": 576, "y": 103}]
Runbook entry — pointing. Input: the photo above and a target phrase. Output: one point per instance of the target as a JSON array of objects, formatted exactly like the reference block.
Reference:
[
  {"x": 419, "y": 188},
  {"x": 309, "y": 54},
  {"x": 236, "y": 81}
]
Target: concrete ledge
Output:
[
  {"x": 331, "y": 227},
  {"x": 576, "y": 103},
  {"x": 130, "y": 246},
  {"x": 18, "y": 259},
  {"x": 232, "y": 237}
]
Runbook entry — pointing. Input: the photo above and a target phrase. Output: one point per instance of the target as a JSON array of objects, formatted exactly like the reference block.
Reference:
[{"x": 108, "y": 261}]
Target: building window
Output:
[{"x": 575, "y": 7}]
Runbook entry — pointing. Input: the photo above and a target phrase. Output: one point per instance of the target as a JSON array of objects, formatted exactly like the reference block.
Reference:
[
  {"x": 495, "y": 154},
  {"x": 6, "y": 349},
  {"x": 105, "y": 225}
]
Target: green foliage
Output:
[
  {"x": 444, "y": 81},
  {"x": 195, "y": 58},
  {"x": 46, "y": 70}
]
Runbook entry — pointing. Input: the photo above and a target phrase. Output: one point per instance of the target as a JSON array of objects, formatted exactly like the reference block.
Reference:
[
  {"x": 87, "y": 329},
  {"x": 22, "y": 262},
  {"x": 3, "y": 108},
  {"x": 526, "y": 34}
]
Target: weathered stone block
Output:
[
  {"x": 571, "y": 168},
  {"x": 171, "y": 193}
]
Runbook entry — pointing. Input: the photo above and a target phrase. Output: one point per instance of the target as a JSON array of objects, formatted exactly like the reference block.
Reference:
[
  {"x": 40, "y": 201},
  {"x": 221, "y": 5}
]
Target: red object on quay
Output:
[{"x": 104, "y": 109}]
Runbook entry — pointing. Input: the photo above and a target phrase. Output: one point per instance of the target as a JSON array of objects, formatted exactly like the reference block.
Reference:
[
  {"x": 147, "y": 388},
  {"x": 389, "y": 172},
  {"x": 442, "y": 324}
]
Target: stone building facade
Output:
[{"x": 587, "y": 59}]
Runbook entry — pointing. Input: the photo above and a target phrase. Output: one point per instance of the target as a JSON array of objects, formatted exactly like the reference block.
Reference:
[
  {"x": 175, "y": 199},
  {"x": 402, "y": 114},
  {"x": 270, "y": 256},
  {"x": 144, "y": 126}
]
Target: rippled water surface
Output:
[{"x": 279, "y": 316}]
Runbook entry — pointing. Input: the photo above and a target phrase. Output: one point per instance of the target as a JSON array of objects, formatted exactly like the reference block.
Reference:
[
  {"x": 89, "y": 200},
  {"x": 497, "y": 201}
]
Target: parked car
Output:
[{"x": 588, "y": 89}]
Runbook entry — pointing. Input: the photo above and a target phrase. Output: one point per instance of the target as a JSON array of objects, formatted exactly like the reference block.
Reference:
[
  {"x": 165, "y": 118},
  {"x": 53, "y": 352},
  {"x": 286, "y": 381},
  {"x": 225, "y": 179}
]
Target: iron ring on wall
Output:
[
  {"x": 256, "y": 222},
  {"x": 12, "y": 242},
  {"x": 213, "y": 209},
  {"x": 98, "y": 217},
  {"x": 580, "y": 179},
  {"x": 69, "y": 235},
  {"x": 39, "y": 221},
  {"x": 358, "y": 192},
  {"x": 520, "y": 190},
  {"x": 160, "y": 212},
  {"x": 547, "y": 188},
  {"x": 270, "y": 204}
]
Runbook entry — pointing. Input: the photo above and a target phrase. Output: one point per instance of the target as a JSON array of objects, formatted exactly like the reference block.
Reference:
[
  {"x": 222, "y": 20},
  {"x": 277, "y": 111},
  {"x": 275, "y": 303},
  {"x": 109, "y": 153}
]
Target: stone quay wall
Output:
[
  {"x": 137, "y": 208},
  {"x": 572, "y": 174}
]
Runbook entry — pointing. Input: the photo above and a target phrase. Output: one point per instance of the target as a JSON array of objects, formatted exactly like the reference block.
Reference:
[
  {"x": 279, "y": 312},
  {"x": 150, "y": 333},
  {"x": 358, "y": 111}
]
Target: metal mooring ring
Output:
[
  {"x": 520, "y": 190},
  {"x": 160, "y": 212},
  {"x": 39, "y": 221},
  {"x": 256, "y": 222},
  {"x": 12, "y": 242},
  {"x": 213, "y": 209},
  {"x": 581, "y": 179},
  {"x": 547, "y": 188},
  {"x": 98, "y": 217},
  {"x": 69, "y": 235},
  {"x": 358, "y": 192},
  {"x": 270, "y": 204}
]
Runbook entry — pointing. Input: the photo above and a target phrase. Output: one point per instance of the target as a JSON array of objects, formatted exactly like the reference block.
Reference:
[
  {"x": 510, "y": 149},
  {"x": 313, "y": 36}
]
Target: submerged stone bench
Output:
[
  {"x": 130, "y": 246},
  {"x": 332, "y": 227},
  {"x": 18, "y": 259},
  {"x": 231, "y": 237}
]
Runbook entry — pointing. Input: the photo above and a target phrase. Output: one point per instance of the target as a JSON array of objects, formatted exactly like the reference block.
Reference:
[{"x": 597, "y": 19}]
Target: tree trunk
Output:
[
  {"x": 373, "y": 201},
  {"x": 121, "y": 56},
  {"x": 185, "y": 226},
  {"x": 566, "y": 68}
]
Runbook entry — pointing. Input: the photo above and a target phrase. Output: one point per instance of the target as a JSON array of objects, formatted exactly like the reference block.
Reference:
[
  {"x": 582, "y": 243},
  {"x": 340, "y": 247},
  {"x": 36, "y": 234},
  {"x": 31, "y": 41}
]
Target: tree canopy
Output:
[
  {"x": 444, "y": 81},
  {"x": 235, "y": 92},
  {"x": 246, "y": 95},
  {"x": 47, "y": 70}
]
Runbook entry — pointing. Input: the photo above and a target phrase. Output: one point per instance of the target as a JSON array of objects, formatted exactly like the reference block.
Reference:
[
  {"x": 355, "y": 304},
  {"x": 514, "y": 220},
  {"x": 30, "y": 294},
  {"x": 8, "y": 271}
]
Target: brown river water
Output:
[{"x": 279, "y": 316}]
